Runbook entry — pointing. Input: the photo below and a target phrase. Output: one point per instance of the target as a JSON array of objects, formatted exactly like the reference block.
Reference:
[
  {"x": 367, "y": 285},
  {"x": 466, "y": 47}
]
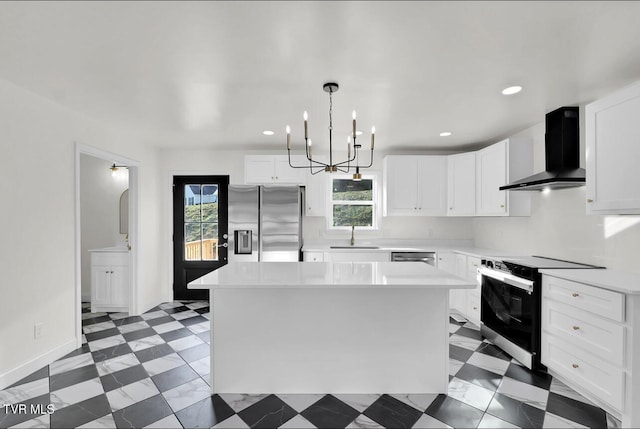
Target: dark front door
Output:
[{"x": 199, "y": 231}]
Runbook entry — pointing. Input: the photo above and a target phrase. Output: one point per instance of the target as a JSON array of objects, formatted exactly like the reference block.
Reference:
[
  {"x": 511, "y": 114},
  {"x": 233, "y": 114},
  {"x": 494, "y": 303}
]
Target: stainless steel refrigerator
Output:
[{"x": 265, "y": 223}]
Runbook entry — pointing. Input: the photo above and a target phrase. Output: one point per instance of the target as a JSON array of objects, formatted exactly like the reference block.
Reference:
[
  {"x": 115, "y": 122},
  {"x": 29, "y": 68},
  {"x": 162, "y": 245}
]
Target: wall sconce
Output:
[{"x": 114, "y": 168}]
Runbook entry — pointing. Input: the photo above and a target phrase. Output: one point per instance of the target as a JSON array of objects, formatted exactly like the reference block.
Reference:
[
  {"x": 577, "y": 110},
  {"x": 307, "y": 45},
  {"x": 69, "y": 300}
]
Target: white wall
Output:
[
  {"x": 100, "y": 193},
  {"x": 37, "y": 193},
  {"x": 559, "y": 227}
]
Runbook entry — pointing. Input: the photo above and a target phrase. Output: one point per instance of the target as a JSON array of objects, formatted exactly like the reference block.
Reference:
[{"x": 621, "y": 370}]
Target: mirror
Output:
[{"x": 124, "y": 212}]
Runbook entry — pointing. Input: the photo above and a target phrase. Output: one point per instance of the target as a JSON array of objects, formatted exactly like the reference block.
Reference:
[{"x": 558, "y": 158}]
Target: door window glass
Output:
[{"x": 201, "y": 222}]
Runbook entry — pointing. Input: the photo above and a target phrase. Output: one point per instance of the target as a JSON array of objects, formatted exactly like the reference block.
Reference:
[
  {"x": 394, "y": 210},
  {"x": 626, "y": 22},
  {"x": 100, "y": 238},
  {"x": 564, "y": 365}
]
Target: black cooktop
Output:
[{"x": 541, "y": 262}]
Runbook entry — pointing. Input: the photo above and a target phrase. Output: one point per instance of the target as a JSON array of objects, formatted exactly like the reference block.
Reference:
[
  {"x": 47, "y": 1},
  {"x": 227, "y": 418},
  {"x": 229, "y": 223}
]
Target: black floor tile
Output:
[
  {"x": 175, "y": 309},
  {"x": 206, "y": 413},
  {"x": 174, "y": 377},
  {"x": 41, "y": 373},
  {"x": 93, "y": 336},
  {"x": 79, "y": 351},
  {"x": 194, "y": 353},
  {"x": 585, "y": 414},
  {"x": 10, "y": 417},
  {"x": 128, "y": 320},
  {"x": 392, "y": 413},
  {"x": 454, "y": 413},
  {"x": 142, "y": 413},
  {"x": 451, "y": 320},
  {"x": 156, "y": 308},
  {"x": 516, "y": 412},
  {"x": 81, "y": 413},
  {"x": 160, "y": 320},
  {"x": 202, "y": 310},
  {"x": 111, "y": 352},
  {"x": 535, "y": 378},
  {"x": 75, "y": 376},
  {"x": 205, "y": 336},
  {"x": 459, "y": 353},
  {"x": 491, "y": 350},
  {"x": 94, "y": 320},
  {"x": 470, "y": 333},
  {"x": 140, "y": 333},
  {"x": 193, "y": 320},
  {"x": 330, "y": 412},
  {"x": 124, "y": 377},
  {"x": 479, "y": 376},
  {"x": 154, "y": 352},
  {"x": 175, "y": 334},
  {"x": 269, "y": 412}
]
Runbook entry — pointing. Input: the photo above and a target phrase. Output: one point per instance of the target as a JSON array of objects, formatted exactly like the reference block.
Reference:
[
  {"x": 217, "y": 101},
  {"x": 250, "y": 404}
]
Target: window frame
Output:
[{"x": 374, "y": 203}]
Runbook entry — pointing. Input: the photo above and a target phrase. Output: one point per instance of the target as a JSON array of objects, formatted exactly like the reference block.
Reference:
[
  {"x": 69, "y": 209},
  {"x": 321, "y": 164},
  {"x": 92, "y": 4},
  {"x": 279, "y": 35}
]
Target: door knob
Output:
[{"x": 225, "y": 236}]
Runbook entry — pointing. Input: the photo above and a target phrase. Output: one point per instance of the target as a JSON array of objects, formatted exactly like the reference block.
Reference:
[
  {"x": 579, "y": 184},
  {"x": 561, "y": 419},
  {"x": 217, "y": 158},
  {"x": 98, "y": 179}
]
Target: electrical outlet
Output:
[{"x": 37, "y": 330}]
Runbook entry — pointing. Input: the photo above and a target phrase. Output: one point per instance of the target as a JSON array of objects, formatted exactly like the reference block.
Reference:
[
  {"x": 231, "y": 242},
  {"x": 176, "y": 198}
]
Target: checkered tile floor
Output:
[{"x": 153, "y": 371}]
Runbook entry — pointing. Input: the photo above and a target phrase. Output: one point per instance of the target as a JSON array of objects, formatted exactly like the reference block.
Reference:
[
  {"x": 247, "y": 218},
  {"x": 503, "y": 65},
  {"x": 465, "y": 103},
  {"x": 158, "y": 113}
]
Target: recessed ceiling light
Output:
[
  {"x": 267, "y": 132},
  {"x": 445, "y": 134},
  {"x": 512, "y": 90}
]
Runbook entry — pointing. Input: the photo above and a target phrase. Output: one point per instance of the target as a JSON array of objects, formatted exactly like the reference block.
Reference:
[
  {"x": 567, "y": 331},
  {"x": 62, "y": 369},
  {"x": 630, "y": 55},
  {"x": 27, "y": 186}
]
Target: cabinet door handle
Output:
[
  {"x": 106, "y": 272},
  {"x": 276, "y": 177},
  {"x": 575, "y": 328},
  {"x": 575, "y": 365},
  {"x": 575, "y": 294},
  {"x": 589, "y": 200},
  {"x": 501, "y": 206},
  {"x": 475, "y": 308}
]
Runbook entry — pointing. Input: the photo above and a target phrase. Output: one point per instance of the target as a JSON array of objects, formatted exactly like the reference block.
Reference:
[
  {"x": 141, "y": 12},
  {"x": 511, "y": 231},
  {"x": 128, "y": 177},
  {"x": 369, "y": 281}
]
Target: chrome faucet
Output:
[{"x": 353, "y": 240}]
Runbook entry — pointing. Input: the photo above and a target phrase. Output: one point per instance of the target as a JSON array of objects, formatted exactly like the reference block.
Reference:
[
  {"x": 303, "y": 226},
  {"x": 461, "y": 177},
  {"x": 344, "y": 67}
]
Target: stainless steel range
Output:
[{"x": 511, "y": 303}]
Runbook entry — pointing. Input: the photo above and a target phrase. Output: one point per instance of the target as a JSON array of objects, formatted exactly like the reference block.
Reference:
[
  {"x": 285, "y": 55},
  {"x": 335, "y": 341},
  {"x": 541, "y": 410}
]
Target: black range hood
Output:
[{"x": 562, "y": 155}]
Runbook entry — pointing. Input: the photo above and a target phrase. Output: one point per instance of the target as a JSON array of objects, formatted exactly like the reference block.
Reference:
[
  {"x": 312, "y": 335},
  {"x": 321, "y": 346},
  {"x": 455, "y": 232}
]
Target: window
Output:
[{"x": 353, "y": 203}]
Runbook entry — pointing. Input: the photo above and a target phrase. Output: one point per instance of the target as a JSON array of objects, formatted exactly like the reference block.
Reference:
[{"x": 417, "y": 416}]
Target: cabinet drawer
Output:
[
  {"x": 602, "y": 302},
  {"x": 313, "y": 256},
  {"x": 594, "y": 375},
  {"x": 110, "y": 258},
  {"x": 596, "y": 335}
]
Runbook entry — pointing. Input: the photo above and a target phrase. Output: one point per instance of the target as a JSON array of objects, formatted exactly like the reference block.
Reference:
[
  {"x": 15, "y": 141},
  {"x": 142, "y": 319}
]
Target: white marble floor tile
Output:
[
  {"x": 552, "y": 421},
  {"x": 300, "y": 402},
  {"x": 116, "y": 364},
  {"x": 470, "y": 394},
  {"x": 21, "y": 393},
  {"x": 97, "y": 327},
  {"x": 166, "y": 327},
  {"x": 164, "y": 363},
  {"x": 490, "y": 363},
  {"x": 185, "y": 343},
  {"x": 239, "y": 402},
  {"x": 298, "y": 422},
  {"x": 418, "y": 401},
  {"x": 92, "y": 315},
  {"x": 364, "y": 422},
  {"x": 84, "y": 339},
  {"x": 426, "y": 421},
  {"x": 76, "y": 393},
  {"x": 153, "y": 315},
  {"x": 488, "y": 421},
  {"x": 357, "y": 401},
  {"x": 562, "y": 389},
  {"x": 206, "y": 316},
  {"x": 454, "y": 366},
  {"x": 185, "y": 314},
  {"x": 197, "y": 305},
  {"x": 523, "y": 392},
  {"x": 471, "y": 325},
  {"x": 131, "y": 393},
  {"x": 105, "y": 343},
  {"x": 187, "y": 394},
  {"x": 43, "y": 421},
  {"x": 68, "y": 364},
  {"x": 233, "y": 422},
  {"x": 118, "y": 316},
  {"x": 202, "y": 366},
  {"x": 173, "y": 304},
  {"x": 136, "y": 326},
  {"x": 104, "y": 422},
  {"x": 169, "y": 422},
  {"x": 199, "y": 327},
  {"x": 465, "y": 342},
  {"x": 145, "y": 343},
  {"x": 453, "y": 328}
]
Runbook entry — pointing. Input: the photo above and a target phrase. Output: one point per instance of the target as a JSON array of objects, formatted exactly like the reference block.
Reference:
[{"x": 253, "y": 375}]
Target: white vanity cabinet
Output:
[
  {"x": 264, "y": 169},
  {"x": 415, "y": 185},
  {"x": 612, "y": 137},
  {"x": 109, "y": 280}
]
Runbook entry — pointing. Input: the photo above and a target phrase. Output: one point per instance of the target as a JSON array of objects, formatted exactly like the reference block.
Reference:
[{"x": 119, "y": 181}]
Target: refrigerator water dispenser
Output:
[{"x": 242, "y": 241}]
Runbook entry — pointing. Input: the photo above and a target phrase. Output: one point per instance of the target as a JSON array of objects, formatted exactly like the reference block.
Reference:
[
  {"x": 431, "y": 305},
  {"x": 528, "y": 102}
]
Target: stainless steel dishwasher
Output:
[{"x": 426, "y": 257}]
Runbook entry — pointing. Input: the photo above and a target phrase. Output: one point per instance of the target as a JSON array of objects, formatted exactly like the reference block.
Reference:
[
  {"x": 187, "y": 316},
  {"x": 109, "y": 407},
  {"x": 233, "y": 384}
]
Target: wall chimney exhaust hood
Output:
[{"x": 562, "y": 155}]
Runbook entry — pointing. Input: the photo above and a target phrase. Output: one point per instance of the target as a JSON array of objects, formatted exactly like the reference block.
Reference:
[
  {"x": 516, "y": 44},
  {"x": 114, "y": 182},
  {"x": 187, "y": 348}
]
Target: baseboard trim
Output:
[{"x": 21, "y": 371}]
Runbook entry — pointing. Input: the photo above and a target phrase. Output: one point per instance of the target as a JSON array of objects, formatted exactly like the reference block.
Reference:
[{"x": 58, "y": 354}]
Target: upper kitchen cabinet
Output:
[
  {"x": 461, "y": 184},
  {"x": 497, "y": 165},
  {"x": 613, "y": 150},
  {"x": 262, "y": 169},
  {"x": 415, "y": 185},
  {"x": 316, "y": 192}
]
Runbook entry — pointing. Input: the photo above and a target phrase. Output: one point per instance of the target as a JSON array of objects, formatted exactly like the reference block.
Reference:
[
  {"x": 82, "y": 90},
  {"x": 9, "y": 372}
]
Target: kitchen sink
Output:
[{"x": 354, "y": 247}]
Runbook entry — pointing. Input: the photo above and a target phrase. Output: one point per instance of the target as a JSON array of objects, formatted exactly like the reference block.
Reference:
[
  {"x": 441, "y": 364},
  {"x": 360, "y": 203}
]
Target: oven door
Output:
[{"x": 509, "y": 308}]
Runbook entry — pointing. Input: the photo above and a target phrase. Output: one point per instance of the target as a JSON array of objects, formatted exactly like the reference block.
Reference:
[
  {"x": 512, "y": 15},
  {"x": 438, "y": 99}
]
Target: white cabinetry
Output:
[
  {"x": 497, "y": 165},
  {"x": 357, "y": 256},
  {"x": 259, "y": 169},
  {"x": 612, "y": 137},
  {"x": 461, "y": 184},
  {"x": 313, "y": 257},
  {"x": 415, "y": 185},
  {"x": 316, "y": 192},
  {"x": 465, "y": 302},
  {"x": 109, "y": 280}
]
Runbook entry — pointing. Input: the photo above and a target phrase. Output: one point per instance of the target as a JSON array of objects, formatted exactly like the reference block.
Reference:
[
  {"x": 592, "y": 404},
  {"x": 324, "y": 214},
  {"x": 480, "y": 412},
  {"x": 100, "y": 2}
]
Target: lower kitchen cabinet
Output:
[
  {"x": 313, "y": 257},
  {"x": 109, "y": 281},
  {"x": 357, "y": 256},
  {"x": 465, "y": 302}
]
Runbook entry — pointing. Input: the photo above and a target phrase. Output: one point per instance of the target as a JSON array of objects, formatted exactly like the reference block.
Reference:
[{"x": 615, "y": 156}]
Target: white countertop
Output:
[
  {"x": 618, "y": 281},
  {"x": 315, "y": 275},
  {"x": 113, "y": 249}
]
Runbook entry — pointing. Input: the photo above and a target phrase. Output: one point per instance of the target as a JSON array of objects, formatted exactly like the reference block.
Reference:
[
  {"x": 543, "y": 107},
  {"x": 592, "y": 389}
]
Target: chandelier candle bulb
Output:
[
  {"x": 348, "y": 150},
  {"x": 305, "y": 116},
  {"x": 309, "y": 147},
  {"x": 288, "y": 138},
  {"x": 373, "y": 134},
  {"x": 353, "y": 115}
]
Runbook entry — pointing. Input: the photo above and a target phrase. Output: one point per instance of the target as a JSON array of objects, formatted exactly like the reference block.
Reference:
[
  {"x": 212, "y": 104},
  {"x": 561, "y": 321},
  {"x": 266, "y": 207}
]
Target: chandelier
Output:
[{"x": 345, "y": 166}]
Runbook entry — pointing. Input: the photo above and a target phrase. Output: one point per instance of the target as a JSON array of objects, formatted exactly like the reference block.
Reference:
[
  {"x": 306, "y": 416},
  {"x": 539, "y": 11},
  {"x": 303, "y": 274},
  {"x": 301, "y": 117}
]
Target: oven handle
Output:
[{"x": 509, "y": 279}]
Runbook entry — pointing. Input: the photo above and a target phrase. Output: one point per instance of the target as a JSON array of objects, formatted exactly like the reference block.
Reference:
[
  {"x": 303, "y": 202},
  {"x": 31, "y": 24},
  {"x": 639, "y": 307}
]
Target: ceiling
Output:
[{"x": 216, "y": 74}]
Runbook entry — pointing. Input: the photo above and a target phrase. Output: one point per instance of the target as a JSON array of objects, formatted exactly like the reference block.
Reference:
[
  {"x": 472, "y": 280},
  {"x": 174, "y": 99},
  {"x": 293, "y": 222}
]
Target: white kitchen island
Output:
[{"x": 309, "y": 327}]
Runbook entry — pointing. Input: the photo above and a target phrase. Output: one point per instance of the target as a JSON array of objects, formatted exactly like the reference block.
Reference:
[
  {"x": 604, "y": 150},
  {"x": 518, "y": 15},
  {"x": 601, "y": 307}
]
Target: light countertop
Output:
[
  {"x": 617, "y": 281},
  {"x": 315, "y": 275},
  {"x": 113, "y": 249}
]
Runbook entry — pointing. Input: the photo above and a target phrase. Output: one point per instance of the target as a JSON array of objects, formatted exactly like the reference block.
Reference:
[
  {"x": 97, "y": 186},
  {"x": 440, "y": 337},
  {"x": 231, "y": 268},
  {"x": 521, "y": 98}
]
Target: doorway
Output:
[{"x": 200, "y": 227}]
